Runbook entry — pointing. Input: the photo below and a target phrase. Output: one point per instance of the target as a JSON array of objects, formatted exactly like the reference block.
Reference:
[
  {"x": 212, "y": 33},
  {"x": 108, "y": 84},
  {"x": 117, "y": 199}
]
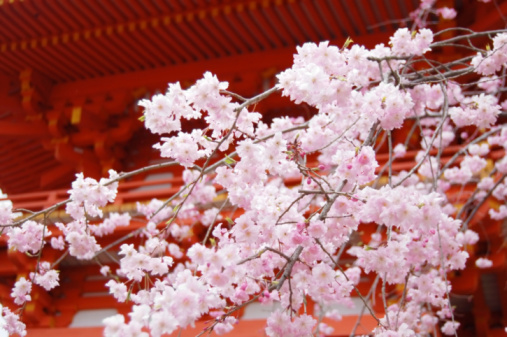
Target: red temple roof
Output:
[{"x": 72, "y": 71}]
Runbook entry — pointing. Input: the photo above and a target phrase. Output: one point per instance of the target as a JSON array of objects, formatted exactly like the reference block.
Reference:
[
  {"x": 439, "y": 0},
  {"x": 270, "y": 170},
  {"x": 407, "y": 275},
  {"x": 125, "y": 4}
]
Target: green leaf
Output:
[
  {"x": 347, "y": 42},
  {"x": 229, "y": 160},
  {"x": 142, "y": 118},
  {"x": 229, "y": 220}
]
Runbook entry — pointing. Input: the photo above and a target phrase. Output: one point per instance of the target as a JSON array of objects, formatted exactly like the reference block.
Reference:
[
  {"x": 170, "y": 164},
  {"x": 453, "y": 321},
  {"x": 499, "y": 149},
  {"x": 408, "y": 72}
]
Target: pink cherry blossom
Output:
[
  {"x": 447, "y": 13},
  {"x": 483, "y": 263},
  {"x": 29, "y": 237},
  {"x": 21, "y": 291},
  {"x": 450, "y": 328},
  {"x": 11, "y": 322}
]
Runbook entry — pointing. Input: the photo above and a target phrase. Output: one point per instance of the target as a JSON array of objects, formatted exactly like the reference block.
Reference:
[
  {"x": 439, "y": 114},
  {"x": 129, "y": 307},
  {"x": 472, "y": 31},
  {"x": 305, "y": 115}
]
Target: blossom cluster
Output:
[
  {"x": 419, "y": 239},
  {"x": 493, "y": 60}
]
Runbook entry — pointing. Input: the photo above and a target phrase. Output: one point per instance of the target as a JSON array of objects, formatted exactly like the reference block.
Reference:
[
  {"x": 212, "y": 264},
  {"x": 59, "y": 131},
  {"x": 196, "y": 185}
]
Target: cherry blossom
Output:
[
  {"x": 450, "y": 328},
  {"x": 28, "y": 238},
  {"x": 406, "y": 43},
  {"x": 21, "y": 291},
  {"x": 11, "y": 323},
  {"x": 46, "y": 277},
  {"x": 447, "y": 13},
  {"x": 483, "y": 263}
]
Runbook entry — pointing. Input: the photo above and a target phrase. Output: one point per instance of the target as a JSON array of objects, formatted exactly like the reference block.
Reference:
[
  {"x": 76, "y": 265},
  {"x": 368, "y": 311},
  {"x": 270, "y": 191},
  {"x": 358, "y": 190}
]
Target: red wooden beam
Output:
[
  {"x": 305, "y": 22},
  {"x": 102, "y": 42},
  {"x": 146, "y": 45},
  {"x": 271, "y": 19},
  {"x": 15, "y": 64},
  {"x": 159, "y": 28},
  {"x": 116, "y": 42},
  {"x": 208, "y": 23},
  {"x": 245, "y": 19},
  {"x": 184, "y": 23},
  {"x": 81, "y": 9},
  {"x": 27, "y": 13},
  {"x": 239, "y": 29},
  {"x": 22, "y": 26},
  {"x": 492, "y": 20},
  {"x": 123, "y": 37},
  {"x": 31, "y": 163},
  {"x": 51, "y": 176},
  {"x": 292, "y": 23},
  {"x": 47, "y": 17},
  {"x": 45, "y": 63},
  {"x": 10, "y": 29},
  {"x": 7, "y": 267},
  {"x": 301, "y": 22},
  {"x": 76, "y": 50},
  {"x": 101, "y": 53},
  {"x": 32, "y": 129},
  {"x": 164, "y": 44},
  {"x": 212, "y": 42},
  {"x": 62, "y": 56},
  {"x": 22, "y": 146},
  {"x": 280, "y": 58},
  {"x": 314, "y": 17},
  {"x": 224, "y": 26}
]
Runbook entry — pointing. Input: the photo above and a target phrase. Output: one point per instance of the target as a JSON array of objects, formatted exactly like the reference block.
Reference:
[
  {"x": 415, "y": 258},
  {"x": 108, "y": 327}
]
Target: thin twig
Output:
[
  {"x": 208, "y": 232},
  {"x": 262, "y": 251}
]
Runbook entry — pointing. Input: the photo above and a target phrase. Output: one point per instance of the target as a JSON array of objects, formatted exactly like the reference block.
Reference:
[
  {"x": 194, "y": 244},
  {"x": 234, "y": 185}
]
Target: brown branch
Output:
[
  {"x": 288, "y": 269},
  {"x": 262, "y": 251}
]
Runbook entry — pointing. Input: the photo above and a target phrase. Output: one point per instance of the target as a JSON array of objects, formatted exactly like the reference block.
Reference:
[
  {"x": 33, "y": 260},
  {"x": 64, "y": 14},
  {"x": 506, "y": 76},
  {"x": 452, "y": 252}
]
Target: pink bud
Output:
[
  {"x": 363, "y": 159},
  {"x": 314, "y": 249},
  {"x": 322, "y": 167},
  {"x": 309, "y": 180},
  {"x": 300, "y": 226},
  {"x": 297, "y": 238}
]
